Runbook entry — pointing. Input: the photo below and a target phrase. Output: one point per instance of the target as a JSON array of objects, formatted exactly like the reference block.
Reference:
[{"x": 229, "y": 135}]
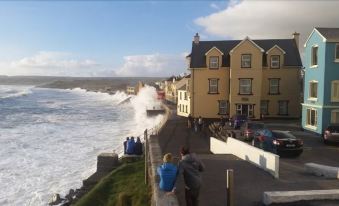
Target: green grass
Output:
[{"x": 123, "y": 187}]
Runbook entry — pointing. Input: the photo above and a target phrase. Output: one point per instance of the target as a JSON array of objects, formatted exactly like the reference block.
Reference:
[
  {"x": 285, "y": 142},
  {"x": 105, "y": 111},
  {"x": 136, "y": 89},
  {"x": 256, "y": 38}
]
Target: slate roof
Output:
[
  {"x": 198, "y": 58},
  {"x": 331, "y": 34}
]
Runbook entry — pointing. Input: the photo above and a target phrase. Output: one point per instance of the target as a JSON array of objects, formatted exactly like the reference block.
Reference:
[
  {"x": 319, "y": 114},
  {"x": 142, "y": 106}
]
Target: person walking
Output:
[
  {"x": 189, "y": 121},
  {"x": 130, "y": 146},
  {"x": 195, "y": 122},
  {"x": 125, "y": 145},
  {"x": 190, "y": 167},
  {"x": 167, "y": 173},
  {"x": 138, "y": 147},
  {"x": 200, "y": 123}
]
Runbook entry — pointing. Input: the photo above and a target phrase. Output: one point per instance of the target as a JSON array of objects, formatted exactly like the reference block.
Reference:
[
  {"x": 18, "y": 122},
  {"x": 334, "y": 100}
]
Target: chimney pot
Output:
[{"x": 296, "y": 38}]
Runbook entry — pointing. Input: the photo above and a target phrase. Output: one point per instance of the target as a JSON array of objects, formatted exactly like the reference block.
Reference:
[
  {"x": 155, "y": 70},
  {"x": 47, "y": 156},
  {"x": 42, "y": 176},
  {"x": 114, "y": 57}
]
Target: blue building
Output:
[{"x": 321, "y": 81}]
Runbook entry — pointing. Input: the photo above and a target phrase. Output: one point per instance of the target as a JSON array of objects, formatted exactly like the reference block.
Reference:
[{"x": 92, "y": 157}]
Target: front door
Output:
[{"x": 245, "y": 109}]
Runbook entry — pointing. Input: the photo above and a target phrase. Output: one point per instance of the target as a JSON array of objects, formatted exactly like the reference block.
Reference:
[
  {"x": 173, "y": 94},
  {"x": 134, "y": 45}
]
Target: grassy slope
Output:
[{"x": 123, "y": 187}]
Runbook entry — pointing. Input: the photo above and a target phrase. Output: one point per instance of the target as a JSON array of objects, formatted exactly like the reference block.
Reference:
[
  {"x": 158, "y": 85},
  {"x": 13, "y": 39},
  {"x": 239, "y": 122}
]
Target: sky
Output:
[{"x": 139, "y": 38}]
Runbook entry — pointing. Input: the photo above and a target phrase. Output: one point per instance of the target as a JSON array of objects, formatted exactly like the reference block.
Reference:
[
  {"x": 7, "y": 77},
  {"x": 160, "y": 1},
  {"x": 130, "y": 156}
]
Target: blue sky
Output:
[{"x": 133, "y": 38}]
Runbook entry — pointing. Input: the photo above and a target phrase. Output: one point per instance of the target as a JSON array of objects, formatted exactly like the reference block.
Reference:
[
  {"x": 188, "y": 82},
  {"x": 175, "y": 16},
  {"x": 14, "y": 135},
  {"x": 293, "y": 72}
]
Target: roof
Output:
[
  {"x": 198, "y": 59},
  {"x": 331, "y": 34}
]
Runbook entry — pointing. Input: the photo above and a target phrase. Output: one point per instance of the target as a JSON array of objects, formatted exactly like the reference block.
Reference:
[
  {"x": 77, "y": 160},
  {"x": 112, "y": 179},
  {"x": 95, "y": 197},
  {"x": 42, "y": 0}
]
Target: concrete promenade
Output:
[{"x": 250, "y": 181}]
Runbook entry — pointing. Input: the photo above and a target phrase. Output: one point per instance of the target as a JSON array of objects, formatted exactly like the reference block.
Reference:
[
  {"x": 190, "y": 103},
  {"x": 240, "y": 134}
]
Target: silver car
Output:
[{"x": 331, "y": 133}]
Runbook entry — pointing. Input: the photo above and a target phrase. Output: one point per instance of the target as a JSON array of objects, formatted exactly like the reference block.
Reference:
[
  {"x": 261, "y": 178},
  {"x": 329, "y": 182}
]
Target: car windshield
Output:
[
  {"x": 283, "y": 135},
  {"x": 256, "y": 126}
]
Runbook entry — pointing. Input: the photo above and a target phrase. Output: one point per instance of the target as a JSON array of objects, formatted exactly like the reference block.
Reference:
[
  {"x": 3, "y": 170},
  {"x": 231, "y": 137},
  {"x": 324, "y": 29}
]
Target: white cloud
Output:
[
  {"x": 52, "y": 63},
  {"x": 214, "y": 6},
  {"x": 270, "y": 19},
  {"x": 153, "y": 65}
]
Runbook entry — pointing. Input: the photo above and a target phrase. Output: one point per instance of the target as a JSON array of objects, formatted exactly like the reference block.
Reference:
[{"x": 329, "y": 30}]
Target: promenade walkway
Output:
[{"x": 250, "y": 181}]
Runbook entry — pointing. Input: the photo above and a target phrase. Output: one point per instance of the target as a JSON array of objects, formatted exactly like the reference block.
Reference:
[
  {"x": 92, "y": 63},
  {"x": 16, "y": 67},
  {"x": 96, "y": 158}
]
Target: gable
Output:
[
  {"x": 247, "y": 39},
  {"x": 314, "y": 32}
]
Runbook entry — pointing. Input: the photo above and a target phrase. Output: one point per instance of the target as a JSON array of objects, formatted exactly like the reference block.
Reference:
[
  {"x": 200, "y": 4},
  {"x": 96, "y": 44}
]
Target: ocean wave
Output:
[{"x": 12, "y": 92}]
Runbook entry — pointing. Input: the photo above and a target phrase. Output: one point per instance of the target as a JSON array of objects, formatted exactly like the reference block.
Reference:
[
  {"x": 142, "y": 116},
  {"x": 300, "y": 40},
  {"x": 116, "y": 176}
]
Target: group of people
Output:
[
  {"x": 195, "y": 123},
  {"x": 189, "y": 167},
  {"x": 132, "y": 147}
]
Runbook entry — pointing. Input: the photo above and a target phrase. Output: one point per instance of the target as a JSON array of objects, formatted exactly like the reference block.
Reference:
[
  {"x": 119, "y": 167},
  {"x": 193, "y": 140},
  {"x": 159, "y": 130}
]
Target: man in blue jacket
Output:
[
  {"x": 168, "y": 173},
  {"x": 130, "y": 146}
]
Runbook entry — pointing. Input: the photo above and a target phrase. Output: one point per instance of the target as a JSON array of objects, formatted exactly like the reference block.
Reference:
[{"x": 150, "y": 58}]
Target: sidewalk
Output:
[{"x": 250, "y": 181}]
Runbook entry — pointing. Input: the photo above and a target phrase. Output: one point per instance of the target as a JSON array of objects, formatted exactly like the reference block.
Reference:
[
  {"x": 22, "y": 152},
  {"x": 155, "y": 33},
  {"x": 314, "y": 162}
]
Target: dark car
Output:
[
  {"x": 331, "y": 133},
  {"x": 248, "y": 129},
  {"x": 237, "y": 120},
  {"x": 278, "y": 142}
]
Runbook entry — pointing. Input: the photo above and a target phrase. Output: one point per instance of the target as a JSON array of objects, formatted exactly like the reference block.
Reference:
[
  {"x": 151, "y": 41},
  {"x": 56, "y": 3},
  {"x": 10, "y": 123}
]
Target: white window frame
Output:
[
  {"x": 246, "y": 61},
  {"x": 308, "y": 118},
  {"x": 214, "y": 62},
  {"x": 276, "y": 86},
  {"x": 336, "y": 52},
  {"x": 185, "y": 95},
  {"x": 275, "y": 64},
  {"x": 243, "y": 86},
  {"x": 335, "y": 91},
  {"x": 310, "y": 97},
  {"x": 222, "y": 107},
  {"x": 334, "y": 114},
  {"x": 312, "y": 56},
  {"x": 213, "y": 86}
]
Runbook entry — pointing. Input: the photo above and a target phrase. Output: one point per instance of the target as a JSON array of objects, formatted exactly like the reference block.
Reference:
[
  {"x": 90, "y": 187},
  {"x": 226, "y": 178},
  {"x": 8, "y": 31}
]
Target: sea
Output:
[{"x": 50, "y": 138}]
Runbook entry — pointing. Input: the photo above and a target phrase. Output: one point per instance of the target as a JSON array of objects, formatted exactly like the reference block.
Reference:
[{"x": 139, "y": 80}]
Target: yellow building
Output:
[
  {"x": 171, "y": 89},
  {"x": 251, "y": 77}
]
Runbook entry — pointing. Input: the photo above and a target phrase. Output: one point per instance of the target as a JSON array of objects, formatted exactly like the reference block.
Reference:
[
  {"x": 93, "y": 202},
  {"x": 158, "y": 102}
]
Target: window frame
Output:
[
  {"x": 240, "y": 86},
  {"x": 279, "y": 106},
  {"x": 220, "y": 108},
  {"x": 266, "y": 108},
  {"x": 271, "y": 61},
  {"x": 210, "y": 86},
  {"x": 334, "y": 113},
  {"x": 308, "y": 118},
  {"x": 242, "y": 60},
  {"x": 310, "y": 97},
  {"x": 314, "y": 56},
  {"x": 210, "y": 62},
  {"x": 270, "y": 85},
  {"x": 334, "y": 98}
]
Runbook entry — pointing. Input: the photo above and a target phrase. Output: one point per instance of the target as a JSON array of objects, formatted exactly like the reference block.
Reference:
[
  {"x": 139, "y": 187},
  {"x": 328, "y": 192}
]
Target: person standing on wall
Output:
[
  {"x": 200, "y": 123},
  {"x": 189, "y": 121},
  {"x": 190, "y": 167}
]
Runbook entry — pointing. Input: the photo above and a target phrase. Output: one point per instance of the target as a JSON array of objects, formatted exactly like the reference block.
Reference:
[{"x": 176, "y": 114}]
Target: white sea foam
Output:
[
  {"x": 10, "y": 91},
  {"x": 50, "y": 138}
]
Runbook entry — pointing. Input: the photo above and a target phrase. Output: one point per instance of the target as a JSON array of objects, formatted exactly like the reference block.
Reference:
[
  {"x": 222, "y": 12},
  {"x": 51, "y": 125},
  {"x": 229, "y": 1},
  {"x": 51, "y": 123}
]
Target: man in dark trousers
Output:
[
  {"x": 125, "y": 145},
  {"x": 190, "y": 167}
]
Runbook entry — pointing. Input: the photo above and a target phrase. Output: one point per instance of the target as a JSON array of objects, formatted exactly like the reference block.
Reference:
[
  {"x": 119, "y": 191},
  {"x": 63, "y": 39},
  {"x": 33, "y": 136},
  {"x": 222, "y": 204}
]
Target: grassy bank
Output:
[{"x": 123, "y": 187}]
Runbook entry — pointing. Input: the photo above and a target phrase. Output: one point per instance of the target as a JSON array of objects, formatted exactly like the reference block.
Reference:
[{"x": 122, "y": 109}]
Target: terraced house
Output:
[
  {"x": 250, "y": 77},
  {"x": 321, "y": 99}
]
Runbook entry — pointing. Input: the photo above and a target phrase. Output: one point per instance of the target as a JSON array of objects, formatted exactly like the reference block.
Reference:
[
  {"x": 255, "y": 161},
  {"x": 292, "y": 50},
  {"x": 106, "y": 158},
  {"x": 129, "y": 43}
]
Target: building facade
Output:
[
  {"x": 255, "y": 78},
  {"x": 183, "y": 104},
  {"x": 321, "y": 82}
]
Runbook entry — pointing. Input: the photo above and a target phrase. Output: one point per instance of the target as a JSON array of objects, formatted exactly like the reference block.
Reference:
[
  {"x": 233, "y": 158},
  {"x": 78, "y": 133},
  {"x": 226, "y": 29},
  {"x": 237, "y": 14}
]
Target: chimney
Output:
[
  {"x": 296, "y": 38},
  {"x": 196, "y": 38}
]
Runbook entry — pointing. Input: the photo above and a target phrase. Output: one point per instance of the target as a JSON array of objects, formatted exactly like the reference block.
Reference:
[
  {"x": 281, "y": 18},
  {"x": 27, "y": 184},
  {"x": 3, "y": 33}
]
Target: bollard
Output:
[
  {"x": 230, "y": 187},
  {"x": 146, "y": 156}
]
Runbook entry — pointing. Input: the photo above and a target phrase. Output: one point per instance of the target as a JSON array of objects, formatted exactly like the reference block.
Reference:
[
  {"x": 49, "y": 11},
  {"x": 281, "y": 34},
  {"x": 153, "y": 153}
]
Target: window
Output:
[
  {"x": 246, "y": 60},
  {"x": 335, "y": 91},
  {"x": 222, "y": 107},
  {"x": 313, "y": 93},
  {"x": 180, "y": 95},
  {"x": 186, "y": 108},
  {"x": 213, "y": 86},
  {"x": 275, "y": 61},
  {"x": 245, "y": 86},
  {"x": 185, "y": 95},
  {"x": 214, "y": 62},
  {"x": 335, "y": 116},
  {"x": 337, "y": 52},
  {"x": 314, "y": 56},
  {"x": 311, "y": 119},
  {"x": 274, "y": 86},
  {"x": 283, "y": 108},
  {"x": 264, "y": 107}
]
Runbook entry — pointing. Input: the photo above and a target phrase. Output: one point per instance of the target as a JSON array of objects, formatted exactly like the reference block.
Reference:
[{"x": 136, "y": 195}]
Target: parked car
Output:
[
  {"x": 248, "y": 129},
  {"x": 278, "y": 142},
  {"x": 237, "y": 120},
  {"x": 331, "y": 133}
]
